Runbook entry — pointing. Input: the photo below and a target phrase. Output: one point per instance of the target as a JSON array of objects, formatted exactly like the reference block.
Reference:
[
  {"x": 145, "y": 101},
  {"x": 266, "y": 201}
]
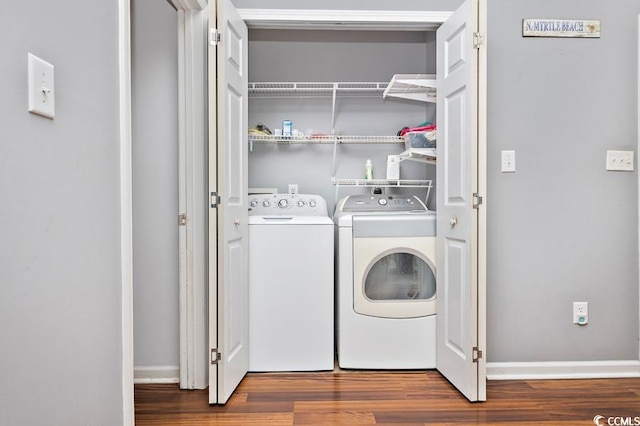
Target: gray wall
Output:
[
  {"x": 155, "y": 183},
  {"x": 60, "y": 286},
  {"x": 562, "y": 229}
]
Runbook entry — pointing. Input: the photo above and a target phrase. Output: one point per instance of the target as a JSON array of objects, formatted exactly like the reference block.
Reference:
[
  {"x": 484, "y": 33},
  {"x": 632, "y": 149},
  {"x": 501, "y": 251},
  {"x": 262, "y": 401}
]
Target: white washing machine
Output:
[
  {"x": 291, "y": 283},
  {"x": 386, "y": 283}
]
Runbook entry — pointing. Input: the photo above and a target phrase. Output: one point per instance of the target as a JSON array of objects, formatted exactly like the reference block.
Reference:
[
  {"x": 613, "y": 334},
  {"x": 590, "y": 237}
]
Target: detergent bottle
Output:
[{"x": 368, "y": 170}]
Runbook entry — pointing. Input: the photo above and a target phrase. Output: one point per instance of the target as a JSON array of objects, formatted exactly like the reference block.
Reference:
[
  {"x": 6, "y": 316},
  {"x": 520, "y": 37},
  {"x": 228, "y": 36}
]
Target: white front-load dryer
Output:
[{"x": 386, "y": 288}]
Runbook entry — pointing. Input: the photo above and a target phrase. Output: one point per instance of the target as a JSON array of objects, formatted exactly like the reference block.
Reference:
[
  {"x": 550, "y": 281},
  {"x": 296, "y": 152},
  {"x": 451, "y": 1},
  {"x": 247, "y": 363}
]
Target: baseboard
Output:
[
  {"x": 495, "y": 371},
  {"x": 562, "y": 370},
  {"x": 156, "y": 374}
]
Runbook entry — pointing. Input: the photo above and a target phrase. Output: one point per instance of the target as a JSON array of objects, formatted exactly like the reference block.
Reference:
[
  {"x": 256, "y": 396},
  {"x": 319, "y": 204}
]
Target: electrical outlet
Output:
[
  {"x": 620, "y": 160},
  {"x": 293, "y": 188},
  {"x": 508, "y": 161},
  {"x": 580, "y": 313}
]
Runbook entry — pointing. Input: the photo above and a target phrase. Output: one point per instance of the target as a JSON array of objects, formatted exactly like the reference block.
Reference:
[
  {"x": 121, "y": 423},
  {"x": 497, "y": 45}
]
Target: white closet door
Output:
[
  {"x": 228, "y": 220},
  {"x": 459, "y": 298}
]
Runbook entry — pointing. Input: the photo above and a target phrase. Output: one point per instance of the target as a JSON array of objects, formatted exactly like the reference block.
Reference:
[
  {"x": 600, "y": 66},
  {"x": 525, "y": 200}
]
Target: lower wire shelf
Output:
[{"x": 383, "y": 182}]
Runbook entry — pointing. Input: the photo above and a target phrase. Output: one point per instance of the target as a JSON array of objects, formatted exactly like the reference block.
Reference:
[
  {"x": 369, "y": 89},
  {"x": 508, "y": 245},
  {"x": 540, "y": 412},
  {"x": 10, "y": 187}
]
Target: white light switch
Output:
[
  {"x": 41, "y": 92},
  {"x": 508, "y": 161}
]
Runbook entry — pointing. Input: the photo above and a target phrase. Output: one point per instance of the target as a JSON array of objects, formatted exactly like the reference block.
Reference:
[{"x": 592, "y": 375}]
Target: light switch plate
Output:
[
  {"x": 620, "y": 160},
  {"x": 41, "y": 87}
]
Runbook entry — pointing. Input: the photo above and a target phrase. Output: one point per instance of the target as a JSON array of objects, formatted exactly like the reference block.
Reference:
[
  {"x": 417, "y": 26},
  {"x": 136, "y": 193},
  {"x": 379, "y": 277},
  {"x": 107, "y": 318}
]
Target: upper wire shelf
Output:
[
  {"x": 316, "y": 89},
  {"x": 325, "y": 139}
]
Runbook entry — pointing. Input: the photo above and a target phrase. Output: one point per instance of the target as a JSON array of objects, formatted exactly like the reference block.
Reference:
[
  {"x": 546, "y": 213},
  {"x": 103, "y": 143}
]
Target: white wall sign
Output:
[{"x": 560, "y": 28}]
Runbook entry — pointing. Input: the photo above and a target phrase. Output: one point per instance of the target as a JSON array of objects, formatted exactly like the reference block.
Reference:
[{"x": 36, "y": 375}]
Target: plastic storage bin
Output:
[{"x": 418, "y": 140}]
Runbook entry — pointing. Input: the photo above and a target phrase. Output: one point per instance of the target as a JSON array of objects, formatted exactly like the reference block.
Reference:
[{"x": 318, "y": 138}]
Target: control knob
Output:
[
  {"x": 283, "y": 203},
  {"x": 301, "y": 203},
  {"x": 382, "y": 201},
  {"x": 312, "y": 203},
  {"x": 266, "y": 203},
  {"x": 254, "y": 203}
]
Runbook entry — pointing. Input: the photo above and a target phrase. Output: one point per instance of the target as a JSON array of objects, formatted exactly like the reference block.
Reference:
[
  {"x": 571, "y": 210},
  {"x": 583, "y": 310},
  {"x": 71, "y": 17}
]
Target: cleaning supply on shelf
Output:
[
  {"x": 287, "y": 128},
  {"x": 260, "y": 130},
  {"x": 368, "y": 170}
]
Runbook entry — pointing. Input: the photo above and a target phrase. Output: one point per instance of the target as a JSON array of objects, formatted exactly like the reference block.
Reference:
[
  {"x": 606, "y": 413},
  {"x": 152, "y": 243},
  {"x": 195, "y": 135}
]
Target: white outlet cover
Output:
[
  {"x": 41, "y": 87},
  {"x": 581, "y": 313},
  {"x": 508, "y": 161},
  {"x": 620, "y": 161}
]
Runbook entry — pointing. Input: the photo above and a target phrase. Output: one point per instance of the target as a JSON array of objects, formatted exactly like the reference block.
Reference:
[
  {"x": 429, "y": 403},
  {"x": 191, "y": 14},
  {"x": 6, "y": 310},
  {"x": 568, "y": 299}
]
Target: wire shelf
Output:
[
  {"x": 417, "y": 87},
  {"x": 422, "y": 183},
  {"x": 423, "y": 155},
  {"x": 325, "y": 139},
  {"x": 316, "y": 89}
]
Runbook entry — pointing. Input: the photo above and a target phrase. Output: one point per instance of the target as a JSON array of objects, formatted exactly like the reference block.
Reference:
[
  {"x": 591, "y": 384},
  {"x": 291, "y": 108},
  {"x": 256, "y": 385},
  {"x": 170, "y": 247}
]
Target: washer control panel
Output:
[
  {"x": 382, "y": 203},
  {"x": 287, "y": 205}
]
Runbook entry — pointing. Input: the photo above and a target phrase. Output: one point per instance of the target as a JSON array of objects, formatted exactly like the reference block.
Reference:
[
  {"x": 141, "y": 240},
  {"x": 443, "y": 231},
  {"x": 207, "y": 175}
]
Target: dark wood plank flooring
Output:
[{"x": 391, "y": 398}]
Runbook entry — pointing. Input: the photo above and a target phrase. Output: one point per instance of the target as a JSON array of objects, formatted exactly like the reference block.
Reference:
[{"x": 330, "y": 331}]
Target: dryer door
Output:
[{"x": 394, "y": 277}]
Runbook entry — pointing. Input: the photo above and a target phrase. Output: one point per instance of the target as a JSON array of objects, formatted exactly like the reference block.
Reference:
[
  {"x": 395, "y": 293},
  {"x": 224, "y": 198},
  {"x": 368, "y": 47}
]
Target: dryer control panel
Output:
[
  {"x": 382, "y": 203},
  {"x": 287, "y": 205}
]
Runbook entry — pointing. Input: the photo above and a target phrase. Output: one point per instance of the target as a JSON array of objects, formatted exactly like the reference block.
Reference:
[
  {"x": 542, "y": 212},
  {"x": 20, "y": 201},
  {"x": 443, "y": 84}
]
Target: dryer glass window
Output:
[{"x": 400, "y": 276}]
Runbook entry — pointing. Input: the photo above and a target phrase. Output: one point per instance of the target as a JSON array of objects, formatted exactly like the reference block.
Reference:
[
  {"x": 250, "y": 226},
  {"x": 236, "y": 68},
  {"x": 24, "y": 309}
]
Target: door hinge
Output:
[
  {"x": 477, "y": 354},
  {"x": 215, "y": 200},
  {"x": 478, "y": 40},
  {"x": 214, "y": 37},
  {"x": 477, "y": 200},
  {"x": 182, "y": 219},
  {"x": 215, "y": 356}
]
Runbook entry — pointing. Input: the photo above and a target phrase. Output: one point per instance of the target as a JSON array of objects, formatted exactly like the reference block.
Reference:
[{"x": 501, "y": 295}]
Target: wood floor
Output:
[{"x": 390, "y": 398}]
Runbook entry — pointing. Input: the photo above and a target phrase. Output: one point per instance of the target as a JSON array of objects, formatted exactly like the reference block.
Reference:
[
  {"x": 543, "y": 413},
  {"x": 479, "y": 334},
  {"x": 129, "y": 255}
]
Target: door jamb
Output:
[
  {"x": 126, "y": 212},
  {"x": 192, "y": 166},
  {"x": 482, "y": 211},
  {"x": 344, "y": 19}
]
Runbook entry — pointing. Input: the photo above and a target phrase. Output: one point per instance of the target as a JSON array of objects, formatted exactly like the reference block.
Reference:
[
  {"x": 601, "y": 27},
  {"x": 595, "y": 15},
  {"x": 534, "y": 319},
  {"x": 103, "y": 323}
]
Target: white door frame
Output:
[
  {"x": 192, "y": 29},
  {"x": 344, "y": 19},
  {"x": 192, "y": 145},
  {"x": 126, "y": 212},
  {"x": 192, "y": 189},
  {"x": 483, "y": 101}
]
